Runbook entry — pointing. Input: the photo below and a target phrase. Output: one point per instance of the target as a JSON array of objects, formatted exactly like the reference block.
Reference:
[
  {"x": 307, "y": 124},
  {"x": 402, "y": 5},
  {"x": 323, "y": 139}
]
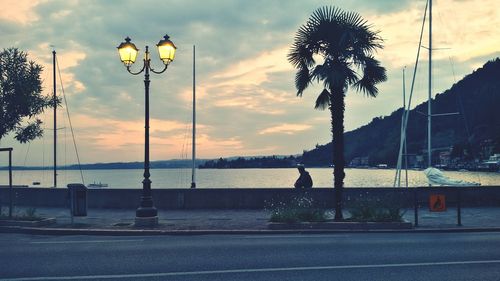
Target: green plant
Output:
[
  {"x": 366, "y": 209},
  {"x": 21, "y": 96},
  {"x": 28, "y": 215},
  {"x": 296, "y": 209}
]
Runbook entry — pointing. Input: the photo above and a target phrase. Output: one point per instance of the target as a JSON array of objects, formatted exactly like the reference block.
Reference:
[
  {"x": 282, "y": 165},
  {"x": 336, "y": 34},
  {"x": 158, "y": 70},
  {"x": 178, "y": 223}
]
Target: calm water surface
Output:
[{"x": 235, "y": 178}]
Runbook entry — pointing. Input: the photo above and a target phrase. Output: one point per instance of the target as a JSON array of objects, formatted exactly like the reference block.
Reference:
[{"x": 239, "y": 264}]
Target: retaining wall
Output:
[{"x": 247, "y": 198}]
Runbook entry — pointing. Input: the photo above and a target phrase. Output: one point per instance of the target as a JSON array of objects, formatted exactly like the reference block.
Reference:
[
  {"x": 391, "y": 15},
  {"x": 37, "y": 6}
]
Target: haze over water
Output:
[{"x": 235, "y": 178}]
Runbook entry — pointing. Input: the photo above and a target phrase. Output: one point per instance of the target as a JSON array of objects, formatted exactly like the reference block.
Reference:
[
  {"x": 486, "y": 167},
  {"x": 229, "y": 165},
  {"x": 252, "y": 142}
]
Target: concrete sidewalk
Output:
[{"x": 121, "y": 221}]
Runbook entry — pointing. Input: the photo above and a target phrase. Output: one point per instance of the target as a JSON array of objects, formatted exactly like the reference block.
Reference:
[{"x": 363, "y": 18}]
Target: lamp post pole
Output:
[
  {"x": 146, "y": 208},
  {"x": 146, "y": 214}
]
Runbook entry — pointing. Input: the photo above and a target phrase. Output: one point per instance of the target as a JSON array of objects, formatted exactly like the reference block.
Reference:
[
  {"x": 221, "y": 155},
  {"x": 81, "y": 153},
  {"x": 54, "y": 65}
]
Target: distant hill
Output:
[
  {"x": 275, "y": 161},
  {"x": 476, "y": 97},
  {"x": 163, "y": 164}
]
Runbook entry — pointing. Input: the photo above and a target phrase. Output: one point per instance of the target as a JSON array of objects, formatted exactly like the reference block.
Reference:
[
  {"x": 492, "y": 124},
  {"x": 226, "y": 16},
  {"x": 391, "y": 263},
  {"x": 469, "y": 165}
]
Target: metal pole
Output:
[
  {"x": 193, "y": 171},
  {"x": 55, "y": 117},
  {"x": 10, "y": 183},
  {"x": 415, "y": 204},
  {"x": 146, "y": 208},
  {"x": 403, "y": 139},
  {"x": 459, "y": 208},
  {"x": 404, "y": 143},
  {"x": 429, "y": 112}
]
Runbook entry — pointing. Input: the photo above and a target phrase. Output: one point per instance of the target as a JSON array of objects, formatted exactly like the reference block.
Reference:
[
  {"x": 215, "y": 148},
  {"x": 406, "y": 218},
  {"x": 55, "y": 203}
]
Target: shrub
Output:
[
  {"x": 296, "y": 209},
  {"x": 366, "y": 209},
  {"x": 28, "y": 215}
]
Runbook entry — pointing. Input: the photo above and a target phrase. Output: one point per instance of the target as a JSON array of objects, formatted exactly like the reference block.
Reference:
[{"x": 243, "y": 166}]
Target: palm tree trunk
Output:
[{"x": 337, "y": 107}]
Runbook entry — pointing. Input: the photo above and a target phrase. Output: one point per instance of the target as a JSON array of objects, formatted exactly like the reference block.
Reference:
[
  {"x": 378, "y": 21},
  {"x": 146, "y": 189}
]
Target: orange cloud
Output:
[
  {"x": 168, "y": 139},
  {"x": 465, "y": 27},
  {"x": 19, "y": 11},
  {"x": 65, "y": 60},
  {"x": 255, "y": 70},
  {"x": 288, "y": 129}
]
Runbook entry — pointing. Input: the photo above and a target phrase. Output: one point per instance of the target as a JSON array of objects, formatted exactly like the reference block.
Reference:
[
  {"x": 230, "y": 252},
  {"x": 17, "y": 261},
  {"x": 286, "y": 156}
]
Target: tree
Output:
[
  {"x": 336, "y": 48},
  {"x": 21, "y": 96}
]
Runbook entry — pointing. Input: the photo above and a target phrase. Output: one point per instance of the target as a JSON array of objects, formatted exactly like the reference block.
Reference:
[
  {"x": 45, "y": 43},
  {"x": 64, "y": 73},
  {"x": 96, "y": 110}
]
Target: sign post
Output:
[
  {"x": 9, "y": 149},
  {"x": 437, "y": 203}
]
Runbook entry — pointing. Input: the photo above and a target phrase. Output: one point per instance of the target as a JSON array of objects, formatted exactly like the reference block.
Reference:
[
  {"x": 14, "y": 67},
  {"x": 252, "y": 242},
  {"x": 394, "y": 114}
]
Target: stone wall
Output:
[{"x": 247, "y": 198}]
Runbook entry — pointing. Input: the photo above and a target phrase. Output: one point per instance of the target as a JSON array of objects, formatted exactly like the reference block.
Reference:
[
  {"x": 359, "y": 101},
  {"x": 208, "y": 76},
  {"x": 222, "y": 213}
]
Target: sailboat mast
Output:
[
  {"x": 429, "y": 112},
  {"x": 404, "y": 114},
  {"x": 193, "y": 168},
  {"x": 55, "y": 116},
  {"x": 402, "y": 141}
]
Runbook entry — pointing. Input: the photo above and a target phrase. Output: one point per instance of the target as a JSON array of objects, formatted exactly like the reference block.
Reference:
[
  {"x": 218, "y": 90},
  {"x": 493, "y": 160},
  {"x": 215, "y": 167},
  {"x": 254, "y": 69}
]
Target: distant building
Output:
[
  {"x": 444, "y": 158},
  {"x": 486, "y": 147},
  {"x": 419, "y": 159},
  {"x": 412, "y": 161},
  {"x": 359, "y": 162},
  {"x": 495, "y": 157},
  {"x": 491, "y": 165}
]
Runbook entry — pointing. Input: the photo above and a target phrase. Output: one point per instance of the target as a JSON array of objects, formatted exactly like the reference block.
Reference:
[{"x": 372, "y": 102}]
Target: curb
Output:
[
  {"x": 36, "y": 223},
  {"x": 333, "y": 225},
  {"x": 152, "y": 232}
]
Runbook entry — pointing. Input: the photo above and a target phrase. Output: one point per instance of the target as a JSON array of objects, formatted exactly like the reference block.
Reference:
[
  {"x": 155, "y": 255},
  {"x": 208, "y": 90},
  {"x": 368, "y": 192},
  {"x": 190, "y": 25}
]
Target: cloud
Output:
[
  {"x": 19, "y": 11},
  {"x": 246, "y": 99},
  {"x": 256, "y": 69},
  {"x": 109, "y": 134},
  {"x": 288, "y": 129},
  {"x": 463, "y": 28}
]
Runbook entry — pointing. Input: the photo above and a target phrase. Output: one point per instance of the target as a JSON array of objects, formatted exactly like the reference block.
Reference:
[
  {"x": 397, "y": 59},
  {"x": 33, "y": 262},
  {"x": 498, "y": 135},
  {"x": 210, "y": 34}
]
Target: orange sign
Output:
[{"x": 437, "y": 203}]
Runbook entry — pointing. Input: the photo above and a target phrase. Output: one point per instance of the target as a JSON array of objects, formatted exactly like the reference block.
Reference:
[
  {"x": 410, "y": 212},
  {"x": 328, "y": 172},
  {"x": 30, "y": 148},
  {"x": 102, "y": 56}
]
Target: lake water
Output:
[{"x": 235, "y": 178}]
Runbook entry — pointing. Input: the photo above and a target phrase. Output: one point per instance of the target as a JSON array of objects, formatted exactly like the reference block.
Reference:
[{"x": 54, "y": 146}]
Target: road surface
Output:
[{"x": 357, "y": 256}]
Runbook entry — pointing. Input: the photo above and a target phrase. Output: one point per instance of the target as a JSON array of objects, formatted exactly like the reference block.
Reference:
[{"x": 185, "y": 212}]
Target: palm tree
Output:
[{"x": 336, "y": 48}]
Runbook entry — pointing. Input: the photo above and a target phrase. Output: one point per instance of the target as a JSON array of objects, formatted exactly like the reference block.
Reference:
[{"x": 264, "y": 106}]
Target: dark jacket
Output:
[{"x": 304, "y": 181}]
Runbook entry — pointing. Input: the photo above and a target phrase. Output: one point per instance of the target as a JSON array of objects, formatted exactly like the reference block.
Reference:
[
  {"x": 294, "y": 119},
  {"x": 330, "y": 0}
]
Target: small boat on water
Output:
[{"x": 97, "y": 185}]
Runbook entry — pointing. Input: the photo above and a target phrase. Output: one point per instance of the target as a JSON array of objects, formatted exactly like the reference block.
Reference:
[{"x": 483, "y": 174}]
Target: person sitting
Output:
[{"x": 304, "y": 180}]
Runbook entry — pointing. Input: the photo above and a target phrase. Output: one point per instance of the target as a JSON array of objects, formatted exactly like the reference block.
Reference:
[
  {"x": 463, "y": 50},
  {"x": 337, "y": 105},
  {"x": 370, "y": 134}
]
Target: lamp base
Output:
[{"x": 146, "y": 221}]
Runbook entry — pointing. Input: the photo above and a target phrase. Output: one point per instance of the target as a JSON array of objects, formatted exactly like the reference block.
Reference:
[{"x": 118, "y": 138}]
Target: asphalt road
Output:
[{"x": 396, "y": 256}]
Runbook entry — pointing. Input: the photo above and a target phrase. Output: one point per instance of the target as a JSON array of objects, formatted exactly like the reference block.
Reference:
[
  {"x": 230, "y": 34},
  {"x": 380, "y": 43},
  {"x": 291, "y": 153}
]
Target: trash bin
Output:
[{"x": 78, "y": 199}]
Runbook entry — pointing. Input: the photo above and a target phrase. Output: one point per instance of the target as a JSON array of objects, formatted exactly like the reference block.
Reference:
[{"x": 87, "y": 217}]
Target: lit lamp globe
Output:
[
  {"x": 166, "y": 50},
  {"x": 128, "y": 52}
]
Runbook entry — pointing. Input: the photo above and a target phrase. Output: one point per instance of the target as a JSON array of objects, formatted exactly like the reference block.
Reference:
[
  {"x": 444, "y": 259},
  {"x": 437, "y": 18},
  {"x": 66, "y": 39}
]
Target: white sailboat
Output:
[
  {"x": 434, "y": 176},
  {"x": 56, "y": 65}
]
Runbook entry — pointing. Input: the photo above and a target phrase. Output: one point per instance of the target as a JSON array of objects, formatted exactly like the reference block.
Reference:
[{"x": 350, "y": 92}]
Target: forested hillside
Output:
[{"x": 476, "y": 97}]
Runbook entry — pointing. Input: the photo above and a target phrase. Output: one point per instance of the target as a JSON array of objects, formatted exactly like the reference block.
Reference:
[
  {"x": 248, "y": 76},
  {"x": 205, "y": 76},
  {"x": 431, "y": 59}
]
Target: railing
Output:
[
  {"x": 457, "y": 202},
  {"x": 9, "y": 149}
]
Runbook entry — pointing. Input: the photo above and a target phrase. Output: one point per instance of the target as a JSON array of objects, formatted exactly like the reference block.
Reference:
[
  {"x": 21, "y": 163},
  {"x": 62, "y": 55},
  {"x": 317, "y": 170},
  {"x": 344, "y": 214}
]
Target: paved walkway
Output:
[{"x": 248, "y": 220}]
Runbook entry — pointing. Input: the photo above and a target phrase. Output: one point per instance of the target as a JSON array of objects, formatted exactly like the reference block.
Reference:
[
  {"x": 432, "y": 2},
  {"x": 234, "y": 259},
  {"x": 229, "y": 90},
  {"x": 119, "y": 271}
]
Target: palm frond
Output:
[
  {"x": 302, "y": 80},
  {"x": 325, "y": 14},
  {"x": 320, "y": 72},
  {"x": 346, "y": 42},
  {"x": 338, "y": 75},
  {"x": 354, "y": 19},
  {"x": 301, "y": 51},
  {"x": 323, "y": 100},
  {"x": 373, "y": 73}
]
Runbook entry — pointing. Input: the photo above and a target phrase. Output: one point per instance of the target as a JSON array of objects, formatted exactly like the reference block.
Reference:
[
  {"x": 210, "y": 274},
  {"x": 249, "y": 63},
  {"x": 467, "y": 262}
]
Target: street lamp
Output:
[{"x": 146, "y": 214}]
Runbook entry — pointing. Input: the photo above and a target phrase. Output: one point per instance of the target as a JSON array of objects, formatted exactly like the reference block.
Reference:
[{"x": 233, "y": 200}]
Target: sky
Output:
[{"x": 246, "y": 98}]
